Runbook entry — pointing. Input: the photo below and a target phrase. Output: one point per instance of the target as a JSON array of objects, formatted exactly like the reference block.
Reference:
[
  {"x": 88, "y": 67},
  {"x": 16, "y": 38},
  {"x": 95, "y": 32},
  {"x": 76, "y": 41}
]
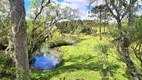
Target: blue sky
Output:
[
  {"x": 75, "y": 4},
  {"x": 27, "y": 4},
  {"x": 60, "y": 0}
]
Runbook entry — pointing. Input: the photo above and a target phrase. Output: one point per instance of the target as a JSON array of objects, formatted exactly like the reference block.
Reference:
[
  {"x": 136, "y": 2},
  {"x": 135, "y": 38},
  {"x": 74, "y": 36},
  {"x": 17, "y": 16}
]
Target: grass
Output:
[{"x": 86, "y": 61}]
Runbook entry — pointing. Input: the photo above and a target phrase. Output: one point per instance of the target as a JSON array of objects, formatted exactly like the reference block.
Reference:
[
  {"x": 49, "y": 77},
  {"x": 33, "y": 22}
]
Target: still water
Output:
[
  {"x": 44, "y": 62},
  {"x": 47, "y": 61}
]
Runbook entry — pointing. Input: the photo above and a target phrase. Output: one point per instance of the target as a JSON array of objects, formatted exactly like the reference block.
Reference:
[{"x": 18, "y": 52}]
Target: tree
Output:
[
  {"x": 119, "y": 10},
  {"x": 137, "y": 42},
  {"x": 44, "y": 15},
  {"x": 99, "y": 11},
  {"x": 19, "y": 37},
  {"x": 122, "y": 8},
  {"x": 106, "y": 17}
]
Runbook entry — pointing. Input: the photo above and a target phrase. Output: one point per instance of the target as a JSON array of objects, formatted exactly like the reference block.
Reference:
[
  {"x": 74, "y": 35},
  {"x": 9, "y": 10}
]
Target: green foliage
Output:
[
  {"x": 94, "y": 31},
  {"x": 78, "y": 75},
  {"x": 137, "y": 30},
  {"x": 136, "y": 48},
  {"x": 7, "y": 73},
  {"x": 113, "y": 31},
  {"x": 2, "y": 61},
  {"x": 57, "y": 37},
  {"x": 4, "y": 31},
  {"x": 85, "y": 60},
  {"x": 35, "y": 76},
  {"x": 103, "y": 47},
  {"x": 22, "y": 76},
  {"x": 90, "y": 59},
  {"x": 35, "y": 36},
  {"x": 75, "y": 26}
]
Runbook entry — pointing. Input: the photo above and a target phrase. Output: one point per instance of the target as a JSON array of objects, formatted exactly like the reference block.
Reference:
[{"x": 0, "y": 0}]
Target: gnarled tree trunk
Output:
[
  {"x": 19, "y": 37},
  {"x": 123, "y": 45}
]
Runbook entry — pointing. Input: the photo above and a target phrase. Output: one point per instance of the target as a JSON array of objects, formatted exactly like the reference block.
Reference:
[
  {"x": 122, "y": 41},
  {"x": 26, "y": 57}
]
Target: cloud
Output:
[{"x": 81, "y": 5}]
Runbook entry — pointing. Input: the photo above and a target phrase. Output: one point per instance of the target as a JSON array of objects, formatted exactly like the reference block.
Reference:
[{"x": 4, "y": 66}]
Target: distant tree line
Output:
[{"x": 77, "y": 26}]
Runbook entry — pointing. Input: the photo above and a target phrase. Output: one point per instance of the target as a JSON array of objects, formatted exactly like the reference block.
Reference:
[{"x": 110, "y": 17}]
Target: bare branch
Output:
[
  {"x": 107, "y": 4},
  {"x": 123, "y": 15},
  {"x": 42, "y": 6},
  {"x": 115, "y": 7}
]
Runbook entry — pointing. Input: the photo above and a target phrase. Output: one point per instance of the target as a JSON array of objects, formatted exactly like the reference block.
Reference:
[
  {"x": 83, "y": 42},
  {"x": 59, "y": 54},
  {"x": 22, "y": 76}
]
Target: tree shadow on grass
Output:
[{"x": 82, "y": 62}]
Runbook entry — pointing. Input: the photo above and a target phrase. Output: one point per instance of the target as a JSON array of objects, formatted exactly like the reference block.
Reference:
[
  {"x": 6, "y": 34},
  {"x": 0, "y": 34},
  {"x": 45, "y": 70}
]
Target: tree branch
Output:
[
  {"x": 42, "y": 6},
  {"x": 115, "y": 7},
  {"x": 123, "y": 15},
  {"x": 110, "y": 10}
]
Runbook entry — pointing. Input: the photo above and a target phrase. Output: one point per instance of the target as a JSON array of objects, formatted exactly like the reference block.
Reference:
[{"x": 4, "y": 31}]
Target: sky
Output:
[
  {"x": 27, "y": 5},
  {"x": 82, "y": 5}
]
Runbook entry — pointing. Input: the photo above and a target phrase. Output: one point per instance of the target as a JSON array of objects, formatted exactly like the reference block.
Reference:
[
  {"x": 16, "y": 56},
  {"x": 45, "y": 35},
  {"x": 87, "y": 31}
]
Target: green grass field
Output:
[{"x": 90, "y": 59}]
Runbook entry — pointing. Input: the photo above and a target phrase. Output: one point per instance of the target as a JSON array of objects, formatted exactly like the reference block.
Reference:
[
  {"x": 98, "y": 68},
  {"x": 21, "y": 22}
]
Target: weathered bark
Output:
[
  {"x": 124, "y": 44},
  {"x": 124, "y": 41},
  {"x": 122, "y": 48},
  {"x": 129, "y": 63},
  {"x": 19, "y": 37}
]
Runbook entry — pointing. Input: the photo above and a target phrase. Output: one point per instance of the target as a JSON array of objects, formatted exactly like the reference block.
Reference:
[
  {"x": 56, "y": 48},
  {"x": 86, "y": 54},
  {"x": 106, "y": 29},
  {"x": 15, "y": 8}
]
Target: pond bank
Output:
[{"x": 47, "y": 61}]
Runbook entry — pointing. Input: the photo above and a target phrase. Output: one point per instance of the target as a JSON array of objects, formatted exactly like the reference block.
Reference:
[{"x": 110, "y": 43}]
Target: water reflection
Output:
[{"x": 44, "y": 62}]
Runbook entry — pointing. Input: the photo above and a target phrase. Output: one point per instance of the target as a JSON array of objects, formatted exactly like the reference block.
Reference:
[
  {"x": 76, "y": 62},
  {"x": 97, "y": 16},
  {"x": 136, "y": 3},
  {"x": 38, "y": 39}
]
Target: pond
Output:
[
  {"x": 47, "y": 61},
  {"x": 44, "y": 62}
]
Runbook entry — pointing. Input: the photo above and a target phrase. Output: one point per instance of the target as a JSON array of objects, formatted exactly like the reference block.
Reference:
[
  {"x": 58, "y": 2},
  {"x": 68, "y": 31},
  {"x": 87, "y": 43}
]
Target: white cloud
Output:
[{"x": 81, "y": 5}]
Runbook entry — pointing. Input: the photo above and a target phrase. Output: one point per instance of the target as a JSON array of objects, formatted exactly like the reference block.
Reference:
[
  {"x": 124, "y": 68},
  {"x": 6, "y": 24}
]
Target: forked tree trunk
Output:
[
  {"x": 19, "y": 37},
  {"x": 123, "y": 44}
]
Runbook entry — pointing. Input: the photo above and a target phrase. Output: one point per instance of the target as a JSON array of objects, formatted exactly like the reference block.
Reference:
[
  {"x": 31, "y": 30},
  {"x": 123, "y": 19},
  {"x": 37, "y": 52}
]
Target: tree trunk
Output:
[
  {"x": 131, "y": 66},
  {"x": 119, "y": 27},
  {"x": 124, "y": 44},
  {"x": 104, "y": 29},
  {"x": 19, "y": 38},
  {"x": 100, "y": 25},
  {"x": 129, "y": 63},
  {"x": 130, "y": 20}
]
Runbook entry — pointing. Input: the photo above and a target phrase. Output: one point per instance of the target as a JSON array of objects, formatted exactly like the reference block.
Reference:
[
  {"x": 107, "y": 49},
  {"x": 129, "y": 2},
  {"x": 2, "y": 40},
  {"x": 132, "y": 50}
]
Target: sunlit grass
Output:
[{"x": 85, "y": 62}]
